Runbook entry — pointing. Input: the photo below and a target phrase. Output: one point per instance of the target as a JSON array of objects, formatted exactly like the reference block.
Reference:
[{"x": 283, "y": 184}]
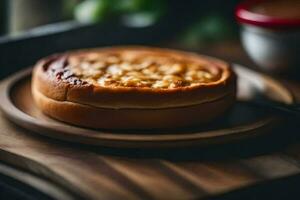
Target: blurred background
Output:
[
  {"x": 32, "y": 29},
  {"x": 36, "y": 28},
  {"x": 209, "y": 19}
]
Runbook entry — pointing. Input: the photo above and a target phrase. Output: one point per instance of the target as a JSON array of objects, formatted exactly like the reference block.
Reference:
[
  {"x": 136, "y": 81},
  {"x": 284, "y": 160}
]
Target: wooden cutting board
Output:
[
  {"x": 95, "y": 172},
  {"x": 103, "y": 173},
  {"x": 242, "y": 121}
]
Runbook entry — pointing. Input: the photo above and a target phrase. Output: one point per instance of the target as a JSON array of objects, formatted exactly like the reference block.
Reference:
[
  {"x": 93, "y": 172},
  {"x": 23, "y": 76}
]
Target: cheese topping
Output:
[{"x": 131, "y": 69}]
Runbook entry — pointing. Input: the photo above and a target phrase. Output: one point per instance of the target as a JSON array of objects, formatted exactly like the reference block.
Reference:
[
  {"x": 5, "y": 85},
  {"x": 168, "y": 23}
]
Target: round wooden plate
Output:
[{"x": 244, "y": 120}]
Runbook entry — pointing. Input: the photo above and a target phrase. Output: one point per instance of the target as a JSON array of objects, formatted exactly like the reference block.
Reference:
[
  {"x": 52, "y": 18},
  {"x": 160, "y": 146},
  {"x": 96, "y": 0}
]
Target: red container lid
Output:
[{"x": 246, "y": 14}]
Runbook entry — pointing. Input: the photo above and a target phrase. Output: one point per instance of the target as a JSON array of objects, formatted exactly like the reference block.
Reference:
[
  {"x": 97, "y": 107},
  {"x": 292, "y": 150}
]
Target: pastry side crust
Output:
[
  {"x": 142, "y": 98},
  {"x": 95, "y": 117}
]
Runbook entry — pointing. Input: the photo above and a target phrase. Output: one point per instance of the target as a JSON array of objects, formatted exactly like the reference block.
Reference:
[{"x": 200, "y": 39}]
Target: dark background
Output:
[{"x": 193, "y": 25}]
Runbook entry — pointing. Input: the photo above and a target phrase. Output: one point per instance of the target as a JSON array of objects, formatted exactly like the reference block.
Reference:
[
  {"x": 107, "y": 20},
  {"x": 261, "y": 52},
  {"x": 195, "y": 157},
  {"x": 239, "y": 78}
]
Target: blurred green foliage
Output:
[
  {"x": 209, "y": 29},
  {"x": 92, "y": 11},
  {"x": 131, "y": 12},
  {"x": 68, "y": 8}
]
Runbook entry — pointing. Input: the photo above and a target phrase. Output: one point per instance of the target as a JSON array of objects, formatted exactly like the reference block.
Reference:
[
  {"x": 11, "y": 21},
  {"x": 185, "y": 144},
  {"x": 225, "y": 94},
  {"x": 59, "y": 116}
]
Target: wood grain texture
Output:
[
  {"x": 242, "y": 121},
  {"x": 33, "y": 186},
  {"x": 107, "y": 173},
  {"x": 94, "y": 174}
]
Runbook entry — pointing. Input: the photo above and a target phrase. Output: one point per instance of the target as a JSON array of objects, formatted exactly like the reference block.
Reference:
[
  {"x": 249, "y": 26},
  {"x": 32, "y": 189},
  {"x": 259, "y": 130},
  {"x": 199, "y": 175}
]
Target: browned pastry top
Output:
[{"x": 136, "y": 71}]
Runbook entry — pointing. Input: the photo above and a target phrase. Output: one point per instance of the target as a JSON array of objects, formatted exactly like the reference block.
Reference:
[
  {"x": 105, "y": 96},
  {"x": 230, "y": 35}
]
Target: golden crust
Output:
[
  {"x": 94, "y": 117},
  {"x": 77, "y": 90},
  {"x": 76, "y": 97}
]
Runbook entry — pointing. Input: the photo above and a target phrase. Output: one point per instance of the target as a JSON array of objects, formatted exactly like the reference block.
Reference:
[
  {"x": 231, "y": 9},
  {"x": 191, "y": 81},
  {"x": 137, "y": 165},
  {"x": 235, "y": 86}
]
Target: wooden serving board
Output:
[
  {"x": 104, "y": 173},
  {"x": 95, "y": 172},
  {"x": 242, "y": 121}
]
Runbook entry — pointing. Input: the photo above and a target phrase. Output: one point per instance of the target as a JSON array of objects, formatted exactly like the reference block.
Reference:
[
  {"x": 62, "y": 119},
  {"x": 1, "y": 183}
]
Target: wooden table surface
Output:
[{"x": 198, "y": 173}]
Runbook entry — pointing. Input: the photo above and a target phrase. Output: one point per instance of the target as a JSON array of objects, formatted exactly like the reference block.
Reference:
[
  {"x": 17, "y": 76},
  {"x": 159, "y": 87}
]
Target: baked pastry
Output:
[{"x": 133, "y": 88}]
